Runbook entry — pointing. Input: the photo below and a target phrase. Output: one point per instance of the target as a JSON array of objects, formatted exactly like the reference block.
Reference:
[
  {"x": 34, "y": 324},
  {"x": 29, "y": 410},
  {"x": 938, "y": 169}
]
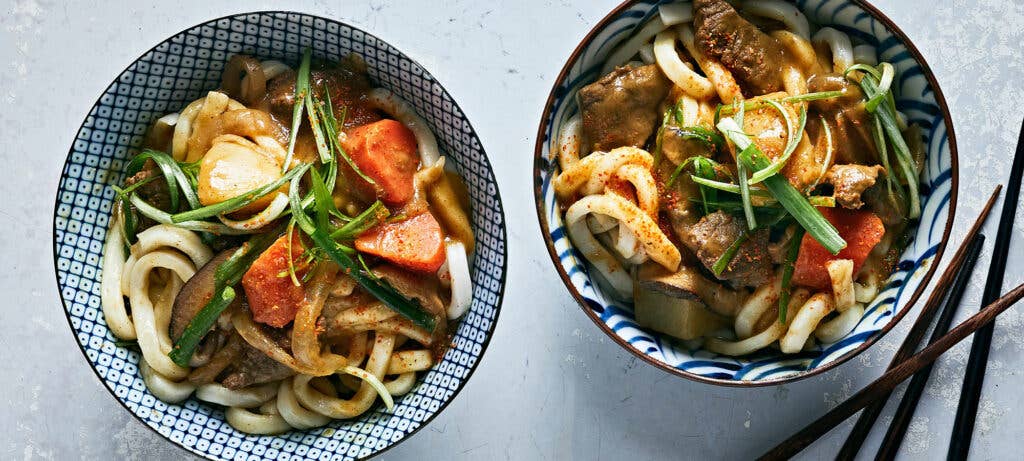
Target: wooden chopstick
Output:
[
  {"x": 885, "y": 383},
  {"x": 870, "y": 414},
  {"x": 905, "y": 411},
  {"x": 974, "y": 377}
]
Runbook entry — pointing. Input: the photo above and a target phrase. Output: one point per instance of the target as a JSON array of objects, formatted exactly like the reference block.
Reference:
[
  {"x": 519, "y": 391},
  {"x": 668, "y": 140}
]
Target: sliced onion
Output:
[
  {"x": 169, "y": 119},
  {"x": 373, "y": 382},
  {"x": 261, "y": 219},
  {"x": 273, "y": 68}
]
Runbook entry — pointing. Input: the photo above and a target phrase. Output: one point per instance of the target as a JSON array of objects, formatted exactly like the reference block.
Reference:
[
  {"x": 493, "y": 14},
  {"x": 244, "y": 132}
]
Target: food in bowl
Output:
[
  {"x": 291, "y": 247},
  {"x": 740, "y": 180}
]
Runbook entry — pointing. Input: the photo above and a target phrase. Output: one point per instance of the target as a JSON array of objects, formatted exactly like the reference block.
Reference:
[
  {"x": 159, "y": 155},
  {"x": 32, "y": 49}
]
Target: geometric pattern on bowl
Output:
[
  {"x": 163, "y": 80},
  {"x": 918, "y": 97}
]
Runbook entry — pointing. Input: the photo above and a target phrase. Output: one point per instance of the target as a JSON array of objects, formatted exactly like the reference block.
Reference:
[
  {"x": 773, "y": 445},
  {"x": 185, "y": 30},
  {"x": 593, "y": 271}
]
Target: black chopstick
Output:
[
  {"x": 901, "y": 420},
  {"x": 869, "y": 416},
  {"x": 974, "y": 377},
  {"x": 885, "y": 383}
]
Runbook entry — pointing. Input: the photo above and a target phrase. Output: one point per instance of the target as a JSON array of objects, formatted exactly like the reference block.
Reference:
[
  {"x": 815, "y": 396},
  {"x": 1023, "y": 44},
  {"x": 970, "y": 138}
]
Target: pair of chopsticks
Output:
[
  {"x": 872, "y": 398},
  {"x": 974, "y": 377}
]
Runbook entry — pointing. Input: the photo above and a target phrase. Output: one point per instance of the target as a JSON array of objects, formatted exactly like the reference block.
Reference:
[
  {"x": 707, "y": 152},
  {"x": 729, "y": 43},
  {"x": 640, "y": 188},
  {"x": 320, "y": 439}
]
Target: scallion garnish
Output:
[
  {"x": 173, "y": 174},
  {"x": 727, "y": 256},
  {"x": 371, "y": 216},
  {"x": 787, "y": 195},
  {"x": 813, "y": 96},
  {"x": 787, "y": 272},
  {"x": 727, "y": 187},
  {"x": 741, "y": 174},
  {"x": 301, "y": 90},
  {"x": 408, "y": 308},
  {"x": 793, "y": 140}
]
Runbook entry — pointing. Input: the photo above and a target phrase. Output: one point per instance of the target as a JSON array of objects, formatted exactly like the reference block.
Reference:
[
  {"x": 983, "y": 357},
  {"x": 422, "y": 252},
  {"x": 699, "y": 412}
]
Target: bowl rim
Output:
[
  {"x": 539, "y": 163},
  {"x": 497, "y": 194}
]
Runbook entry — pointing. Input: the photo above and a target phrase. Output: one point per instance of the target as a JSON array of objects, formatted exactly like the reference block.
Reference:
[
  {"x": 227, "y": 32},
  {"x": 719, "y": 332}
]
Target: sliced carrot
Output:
[
  {"x": 861, "y": 229},
  {"x": 416, "y": 243},
  {"x": 273, "y": 297},
  {"x": 386, "y": 152}
]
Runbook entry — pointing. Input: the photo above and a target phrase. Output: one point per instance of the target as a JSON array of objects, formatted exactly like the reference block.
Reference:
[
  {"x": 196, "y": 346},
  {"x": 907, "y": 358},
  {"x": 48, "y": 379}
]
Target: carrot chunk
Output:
[
  {"x": 416, "y": 243},
  {"x": 273, "y": 297},
  {"x": 386, "y": 152},
  {"x": 861, "y": 229}
]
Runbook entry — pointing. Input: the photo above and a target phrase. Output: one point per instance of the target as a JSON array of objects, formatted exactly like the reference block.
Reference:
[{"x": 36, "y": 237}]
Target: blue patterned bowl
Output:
[
  {"x": 163, "y": 80},
  {"x": 919, "y": 98}
]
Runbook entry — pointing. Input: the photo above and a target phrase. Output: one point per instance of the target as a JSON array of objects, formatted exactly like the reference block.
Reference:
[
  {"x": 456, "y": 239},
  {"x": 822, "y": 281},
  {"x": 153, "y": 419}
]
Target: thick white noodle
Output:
[
  {"x": 410, "y": 361},
  {"x": 631, "y": 46},
  {"x": 658, "y": 246},
  {"x": 401, "y": 385},
  {"x": 840, "y": 271},
  {"x": 723, "y": 81},
  {"x": 865, "y": 54},
  {"x": 166, "y": 235},
  {"x": 402, "y": 111},
  {"x": 163, "y": 388},
  {"x": 258, "y": 220},
  {"x": 866, "y": 289},
  {"x": 608, "y": 164},
  {"x": 840, "y": 326},
  {"x": 763, "y": 298},
  {"x": 569, "y": 142},
  {"x": 646, "y": 188},
  {"x": 461, "y": 283},
  {"x": 781, "y": 11},
  {"x": 676, "y": 13},
  {"x": 256, "y": 423},
  {"x": 371, "y": 313},
  {"x": 114, "y": 310},
  {"x": 169, "y": 119},
  {"x": 151, "y": 318},
  {"x": 685, "y": 78},
  {"x": 746, "y": 346},
  {"x": 334, "y": 407},
  {"x": 249, "y": 397},
  {"x": 839, "y": 43},
  {"x": 293, "y": 412},
  {"x": 804, "y": 322}
]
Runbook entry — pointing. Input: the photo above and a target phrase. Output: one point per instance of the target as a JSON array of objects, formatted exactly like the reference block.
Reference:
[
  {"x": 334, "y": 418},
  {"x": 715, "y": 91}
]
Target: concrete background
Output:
[{"x": 551, "y": 385}]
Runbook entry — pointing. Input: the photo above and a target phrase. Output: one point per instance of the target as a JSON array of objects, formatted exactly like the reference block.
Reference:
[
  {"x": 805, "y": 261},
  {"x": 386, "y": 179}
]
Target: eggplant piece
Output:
[
  {"x": 194, "y": 295},
  {"x": 677, "y": 304}
]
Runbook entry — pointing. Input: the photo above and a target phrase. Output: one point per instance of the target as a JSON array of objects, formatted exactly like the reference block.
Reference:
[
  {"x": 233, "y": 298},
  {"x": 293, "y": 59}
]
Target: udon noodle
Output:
[
  {"x": 290, "y": 246},
  {"x": 740, "y": 175}
]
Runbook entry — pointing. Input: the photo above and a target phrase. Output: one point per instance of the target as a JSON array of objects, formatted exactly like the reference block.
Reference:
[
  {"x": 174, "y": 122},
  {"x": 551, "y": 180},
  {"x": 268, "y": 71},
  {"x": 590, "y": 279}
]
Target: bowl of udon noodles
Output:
[
  {"x": 745, "y": 193},
  {"x": 277, "y": 236}
]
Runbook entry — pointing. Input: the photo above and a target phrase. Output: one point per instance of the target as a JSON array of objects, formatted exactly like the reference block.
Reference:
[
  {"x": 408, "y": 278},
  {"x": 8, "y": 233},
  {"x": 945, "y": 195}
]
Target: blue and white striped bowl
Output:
[
  {"x": 918, "y": 97},
  {"x": 163, "y": 80}
]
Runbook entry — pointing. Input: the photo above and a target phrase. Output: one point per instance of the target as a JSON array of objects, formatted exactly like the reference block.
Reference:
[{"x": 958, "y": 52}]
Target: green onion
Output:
[
  {"x": 863, "y": 68},
  {"x": 748, "y": 208},
  {"x": 727, "y": 187},
  {"x": 408, "y": 308},
  {"x": 331, "y": 126},
  {"x": 291, "y": 258},
  {"x": 370, "y": 217},
  {"x": 301, "y": 90},
  {"x": 163, "y": 217},
  {"x": 189, "y": 340},
  {"x": 661, "y": 134},
  {"x": 787, "y": 272},
  {"x": 239, "y": 201},
  {"x": 709, "y": 138},
  {"x": 890, "y": 123},
  {"x": 791, "y": 199},
  {"x": 723, "y": 261},
  {"x": 323, "y": 203},
  {"x": 883, "y": 87},
  {"x": 792, "y": 142},
  {"x": 312, "y": 110},
  {"x": 129, "y": 343},
  {"x": 172, "y": 172},
  {"x": 813, "y": 96},
  {"x": 829, "y": 150},
  {"x": 822, "y": 201}
]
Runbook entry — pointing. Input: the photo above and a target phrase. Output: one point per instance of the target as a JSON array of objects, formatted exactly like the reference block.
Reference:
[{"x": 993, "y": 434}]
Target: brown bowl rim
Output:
[{"x": 538, "y": 165}]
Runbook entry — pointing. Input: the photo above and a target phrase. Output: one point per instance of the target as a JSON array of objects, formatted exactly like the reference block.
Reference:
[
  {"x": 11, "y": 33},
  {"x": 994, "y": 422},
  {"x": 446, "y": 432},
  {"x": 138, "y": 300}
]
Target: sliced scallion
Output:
[
  {"x": 239, "y": 201},
  {"x": 788, "y": 266},
  {"x": 301, "y": 90},
  {"x": 741, "y": 176},
  {"x": 791, "y": 143},
  {"x": 722, "y": 263}
]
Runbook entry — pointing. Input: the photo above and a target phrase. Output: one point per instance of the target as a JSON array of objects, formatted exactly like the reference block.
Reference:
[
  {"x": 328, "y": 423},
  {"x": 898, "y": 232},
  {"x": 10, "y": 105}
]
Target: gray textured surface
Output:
[{"x": 551, "y": 385}]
